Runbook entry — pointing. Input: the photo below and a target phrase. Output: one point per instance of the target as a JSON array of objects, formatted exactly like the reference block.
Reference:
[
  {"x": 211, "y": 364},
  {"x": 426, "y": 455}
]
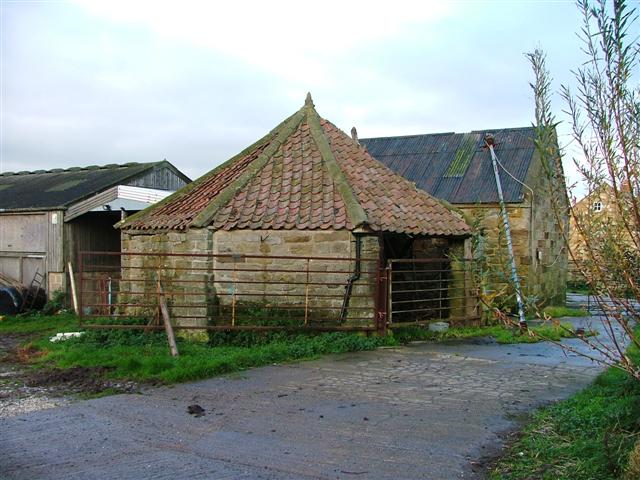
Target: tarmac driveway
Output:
[{"x": 425, "y": 411}]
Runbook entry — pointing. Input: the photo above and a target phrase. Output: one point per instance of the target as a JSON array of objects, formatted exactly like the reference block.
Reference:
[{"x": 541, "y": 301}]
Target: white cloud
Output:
[
  {"x": 289, "y": 38},
  {"x": 114, "y": 81}
]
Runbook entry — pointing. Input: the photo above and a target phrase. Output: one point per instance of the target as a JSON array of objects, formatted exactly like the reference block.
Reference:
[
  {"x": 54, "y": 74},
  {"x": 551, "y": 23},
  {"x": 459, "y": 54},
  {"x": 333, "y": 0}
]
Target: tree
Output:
[{"x": 605, "y": 124}]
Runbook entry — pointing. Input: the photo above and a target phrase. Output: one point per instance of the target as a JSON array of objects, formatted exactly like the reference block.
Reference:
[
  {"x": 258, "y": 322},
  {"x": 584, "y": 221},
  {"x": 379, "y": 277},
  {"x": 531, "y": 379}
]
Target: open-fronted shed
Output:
[{"x": 48, "y": 216}]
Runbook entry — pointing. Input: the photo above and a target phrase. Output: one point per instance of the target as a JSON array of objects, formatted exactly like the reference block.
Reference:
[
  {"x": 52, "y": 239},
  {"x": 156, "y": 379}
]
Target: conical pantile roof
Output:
[{"x": 305, "y": 174}]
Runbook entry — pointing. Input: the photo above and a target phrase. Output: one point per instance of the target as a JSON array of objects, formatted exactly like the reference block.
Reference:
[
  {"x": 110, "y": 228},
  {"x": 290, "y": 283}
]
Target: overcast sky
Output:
[{"x": 93, "y": 82}]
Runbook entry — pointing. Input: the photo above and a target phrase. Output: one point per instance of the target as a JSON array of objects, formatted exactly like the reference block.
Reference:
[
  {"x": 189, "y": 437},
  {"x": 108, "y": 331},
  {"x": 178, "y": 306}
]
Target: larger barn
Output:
[{"x": 456, "y": 167}]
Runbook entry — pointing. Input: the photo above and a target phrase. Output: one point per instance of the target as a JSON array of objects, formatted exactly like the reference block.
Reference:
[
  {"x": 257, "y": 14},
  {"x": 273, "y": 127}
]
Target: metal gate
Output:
[{"x": 425, "y": 290}]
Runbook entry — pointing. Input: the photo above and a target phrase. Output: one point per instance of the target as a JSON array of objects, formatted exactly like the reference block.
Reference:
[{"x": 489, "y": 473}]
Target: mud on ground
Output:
[{"x": 26, "y": 389}]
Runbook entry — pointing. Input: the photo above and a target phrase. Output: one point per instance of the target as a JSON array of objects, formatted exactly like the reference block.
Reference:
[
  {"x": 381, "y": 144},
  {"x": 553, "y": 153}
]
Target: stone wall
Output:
[
  {"x": 548, "y": 248},
  {"x": 231, "y": 280},
  {"x": 362, "y": 304},
  {"x": 187, "y": 277},
  {"x": 282, "y": 280},
  {"x": 541, "y": 256}
]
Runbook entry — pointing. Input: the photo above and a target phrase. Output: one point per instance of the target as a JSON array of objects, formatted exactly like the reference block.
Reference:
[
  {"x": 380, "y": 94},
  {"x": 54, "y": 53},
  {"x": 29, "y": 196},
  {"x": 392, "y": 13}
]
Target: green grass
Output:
[
  {"x": 559, "y": 312},
  {"x": 145, "y": 357},
  {"x": 135, "y": 355},
  {"x": 501, "y": 334},
  {"x": 586, "y": 437},
  {"x": 40, "y": 324}
]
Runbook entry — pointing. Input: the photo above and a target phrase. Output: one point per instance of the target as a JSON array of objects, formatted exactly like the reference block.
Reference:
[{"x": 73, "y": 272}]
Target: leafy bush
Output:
[{"x": 55, "y": 304}]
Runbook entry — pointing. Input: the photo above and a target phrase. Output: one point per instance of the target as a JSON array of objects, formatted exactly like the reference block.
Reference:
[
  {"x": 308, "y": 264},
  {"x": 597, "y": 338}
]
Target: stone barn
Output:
[
  {"x": 456, "y": 168},
  {"x": 304, "y": 190}
]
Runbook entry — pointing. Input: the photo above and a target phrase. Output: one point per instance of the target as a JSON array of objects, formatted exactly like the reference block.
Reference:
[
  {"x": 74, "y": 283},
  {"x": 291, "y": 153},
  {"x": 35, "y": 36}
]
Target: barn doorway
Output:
[{"x": 428, "y": 279}]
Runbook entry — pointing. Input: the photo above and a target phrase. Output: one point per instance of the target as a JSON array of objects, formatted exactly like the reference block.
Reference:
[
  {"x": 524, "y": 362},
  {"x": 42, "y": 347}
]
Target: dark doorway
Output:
[{"x": 420, "y": 279}]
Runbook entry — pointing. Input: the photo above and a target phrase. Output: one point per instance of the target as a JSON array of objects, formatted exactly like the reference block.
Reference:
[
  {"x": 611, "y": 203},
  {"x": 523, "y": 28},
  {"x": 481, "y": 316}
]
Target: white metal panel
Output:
[
  {"x": 91, "y": 203},
  {"x": 147, "y": 195},
  {"x": 117, "y": 197}
]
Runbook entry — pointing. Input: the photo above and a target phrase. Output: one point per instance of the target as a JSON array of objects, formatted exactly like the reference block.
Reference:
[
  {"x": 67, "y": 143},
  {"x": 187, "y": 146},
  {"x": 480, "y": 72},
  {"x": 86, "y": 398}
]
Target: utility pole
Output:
[{"x": 490, "y": 142}]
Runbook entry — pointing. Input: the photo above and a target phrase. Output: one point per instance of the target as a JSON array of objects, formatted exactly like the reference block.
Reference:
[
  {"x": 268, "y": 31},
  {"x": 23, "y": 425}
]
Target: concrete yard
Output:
[{"x": 426, "y": 411}]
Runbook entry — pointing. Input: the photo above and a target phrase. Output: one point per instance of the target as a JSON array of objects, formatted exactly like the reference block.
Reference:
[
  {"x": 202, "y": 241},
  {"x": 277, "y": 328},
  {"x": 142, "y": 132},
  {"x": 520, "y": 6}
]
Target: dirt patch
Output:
[
  {"x": 25, "y": 389},
  {"x": 26, "y": 354},
  {"x": 482, "y": 467},
  {"x": 77, "y": 380},
  {"x": 9, "y": 342}
]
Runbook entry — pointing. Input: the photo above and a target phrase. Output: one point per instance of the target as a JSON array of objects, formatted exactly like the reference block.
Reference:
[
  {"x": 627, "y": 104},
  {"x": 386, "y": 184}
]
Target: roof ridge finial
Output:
[
  {"x": 354, "y": 135},
  {"x": 309, "y": 101}
]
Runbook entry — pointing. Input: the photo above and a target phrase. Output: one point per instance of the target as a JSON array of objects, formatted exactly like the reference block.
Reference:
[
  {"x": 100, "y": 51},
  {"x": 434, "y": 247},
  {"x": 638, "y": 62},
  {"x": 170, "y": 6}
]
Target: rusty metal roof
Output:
[
  {"x": 304, "y": 174},
  {"x": 455, "y": 167}
]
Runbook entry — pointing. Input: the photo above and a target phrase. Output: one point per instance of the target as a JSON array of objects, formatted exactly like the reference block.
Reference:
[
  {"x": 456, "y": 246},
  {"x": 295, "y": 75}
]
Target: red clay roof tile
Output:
[{"x": 304, "y": 185}]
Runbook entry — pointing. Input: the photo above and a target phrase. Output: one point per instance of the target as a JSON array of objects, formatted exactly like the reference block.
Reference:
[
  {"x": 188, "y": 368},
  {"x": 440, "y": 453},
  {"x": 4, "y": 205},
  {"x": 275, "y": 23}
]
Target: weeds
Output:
[
  {"x": 559, "y": 312},
  {"x": 501, "y": 334},
  {"x": 588, "y": 436},
  {"x": 43, "y": 324},
  {"x": 143, "y": 356}
]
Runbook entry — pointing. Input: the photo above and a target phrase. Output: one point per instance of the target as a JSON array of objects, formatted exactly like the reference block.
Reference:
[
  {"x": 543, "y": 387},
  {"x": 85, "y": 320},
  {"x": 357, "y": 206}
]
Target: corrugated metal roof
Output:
[
  {"x": 59, "y": 188},
  {"x": 306, "y": 174},
  {"x": 454, "y": 166}
]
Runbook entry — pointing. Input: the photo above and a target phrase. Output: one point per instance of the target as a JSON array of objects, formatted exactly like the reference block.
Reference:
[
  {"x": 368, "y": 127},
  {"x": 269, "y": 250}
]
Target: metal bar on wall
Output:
[{"x": 250, "y": 293}]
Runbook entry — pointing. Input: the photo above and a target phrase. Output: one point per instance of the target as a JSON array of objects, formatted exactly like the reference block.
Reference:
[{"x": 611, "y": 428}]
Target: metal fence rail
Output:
[
  {"x": 268, "y": 292},
  {"x": 231, "y": 292}
]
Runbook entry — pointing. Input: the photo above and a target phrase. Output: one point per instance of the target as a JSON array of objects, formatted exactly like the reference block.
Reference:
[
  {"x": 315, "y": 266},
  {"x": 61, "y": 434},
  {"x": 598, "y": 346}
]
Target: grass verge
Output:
[
  {"x": 559, "y": 312},
  {"x": 39, "y": 324},
  {"x": 144, "y": 357},
  {"x": 501, "y": 334},
  {"x": 139, "y": 356},
  {"x": 586, "y": 437}
]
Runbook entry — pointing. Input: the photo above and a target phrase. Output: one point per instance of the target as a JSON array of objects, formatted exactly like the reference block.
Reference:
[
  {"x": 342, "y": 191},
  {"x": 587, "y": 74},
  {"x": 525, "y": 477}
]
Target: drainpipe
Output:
[
  {"x": 353, "y": 278},
  {"x": 489, "y": 142}
]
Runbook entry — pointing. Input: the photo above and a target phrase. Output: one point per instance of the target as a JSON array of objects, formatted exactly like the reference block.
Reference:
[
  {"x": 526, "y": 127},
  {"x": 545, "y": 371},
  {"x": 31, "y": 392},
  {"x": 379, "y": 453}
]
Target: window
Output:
[{"x": 597, "y": 206}]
